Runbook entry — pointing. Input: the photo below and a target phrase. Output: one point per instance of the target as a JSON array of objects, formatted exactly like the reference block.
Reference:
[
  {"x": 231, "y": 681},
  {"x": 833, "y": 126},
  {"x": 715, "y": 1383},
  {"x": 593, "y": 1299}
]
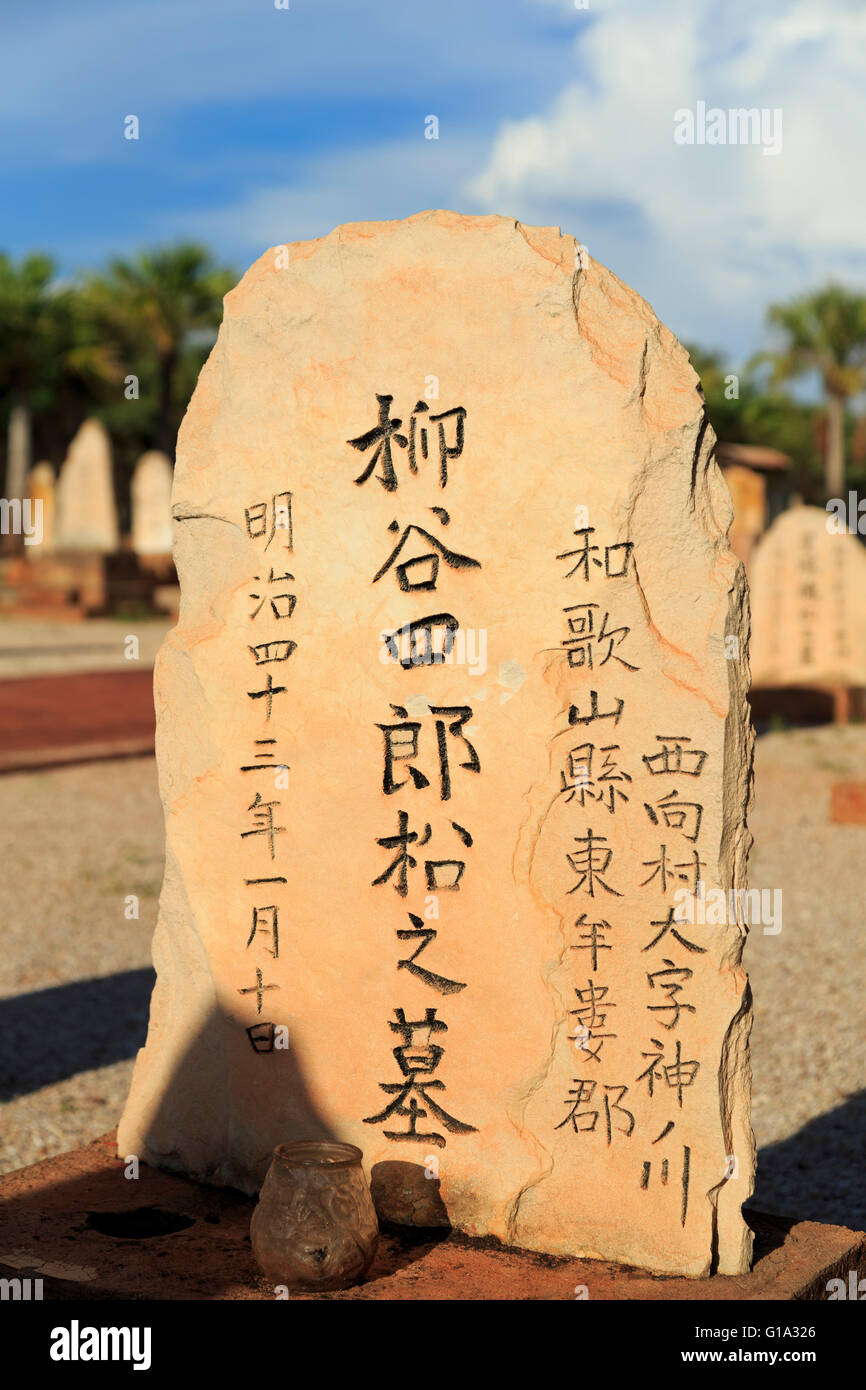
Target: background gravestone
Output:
[
  {"x": 41, "y": 489},
  {"x": 86, "y": 511},
  {"x": 151, "y": 505},
  {"x": 808, "y": 595},
  {"x": 446, "y": 731}
]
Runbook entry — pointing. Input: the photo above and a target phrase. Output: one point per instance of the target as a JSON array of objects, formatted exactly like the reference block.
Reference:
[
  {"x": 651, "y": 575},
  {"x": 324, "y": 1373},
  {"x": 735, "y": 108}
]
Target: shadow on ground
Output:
[
  {"x": 53, "y": 1034},
  {"x": 819, "y": 1173}
]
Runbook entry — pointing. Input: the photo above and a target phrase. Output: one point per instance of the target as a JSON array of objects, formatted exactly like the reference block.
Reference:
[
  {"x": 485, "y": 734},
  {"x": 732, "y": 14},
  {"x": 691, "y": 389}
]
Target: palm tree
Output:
[
  {"x": 26, "y": 331},
  {"x": 155, "y": 305},
  {"x": 824, "y": 332},
  {"x": 47, "y": 345}
]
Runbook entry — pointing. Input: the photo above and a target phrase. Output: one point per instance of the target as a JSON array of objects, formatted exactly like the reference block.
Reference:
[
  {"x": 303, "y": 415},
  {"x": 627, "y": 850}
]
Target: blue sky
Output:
[{"x": 261, "y": 126}]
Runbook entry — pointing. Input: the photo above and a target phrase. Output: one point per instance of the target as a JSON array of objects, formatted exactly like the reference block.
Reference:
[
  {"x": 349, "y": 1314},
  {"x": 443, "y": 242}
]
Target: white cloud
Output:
[{"x": 709, "y": 234}]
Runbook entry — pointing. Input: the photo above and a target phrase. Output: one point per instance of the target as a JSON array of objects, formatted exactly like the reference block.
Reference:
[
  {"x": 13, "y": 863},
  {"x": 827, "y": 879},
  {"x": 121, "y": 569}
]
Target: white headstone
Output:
[
  {"x": 86, "y": 510},
  {"x": 151, "y": 505}
]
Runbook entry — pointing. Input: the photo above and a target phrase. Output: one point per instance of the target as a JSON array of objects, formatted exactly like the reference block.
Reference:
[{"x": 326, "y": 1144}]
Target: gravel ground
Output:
[
  {"x": 809, "y": 982},
  {"x": 75, "y": 972}
]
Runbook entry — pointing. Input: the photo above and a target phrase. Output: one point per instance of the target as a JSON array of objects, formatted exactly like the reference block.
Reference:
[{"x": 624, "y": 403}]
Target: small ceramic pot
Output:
[{"x": 315, "y": 1226}]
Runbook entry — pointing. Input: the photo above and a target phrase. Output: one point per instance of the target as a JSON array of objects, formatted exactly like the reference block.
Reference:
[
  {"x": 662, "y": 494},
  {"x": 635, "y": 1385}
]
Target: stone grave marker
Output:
[
  {"x": 86, "y": 510},
  {"x": 151, "y": 505},
  {"x": 808, "y": 598},
  {"x": 452, "y": 733},
  {"x": 41, "y": 492}
]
